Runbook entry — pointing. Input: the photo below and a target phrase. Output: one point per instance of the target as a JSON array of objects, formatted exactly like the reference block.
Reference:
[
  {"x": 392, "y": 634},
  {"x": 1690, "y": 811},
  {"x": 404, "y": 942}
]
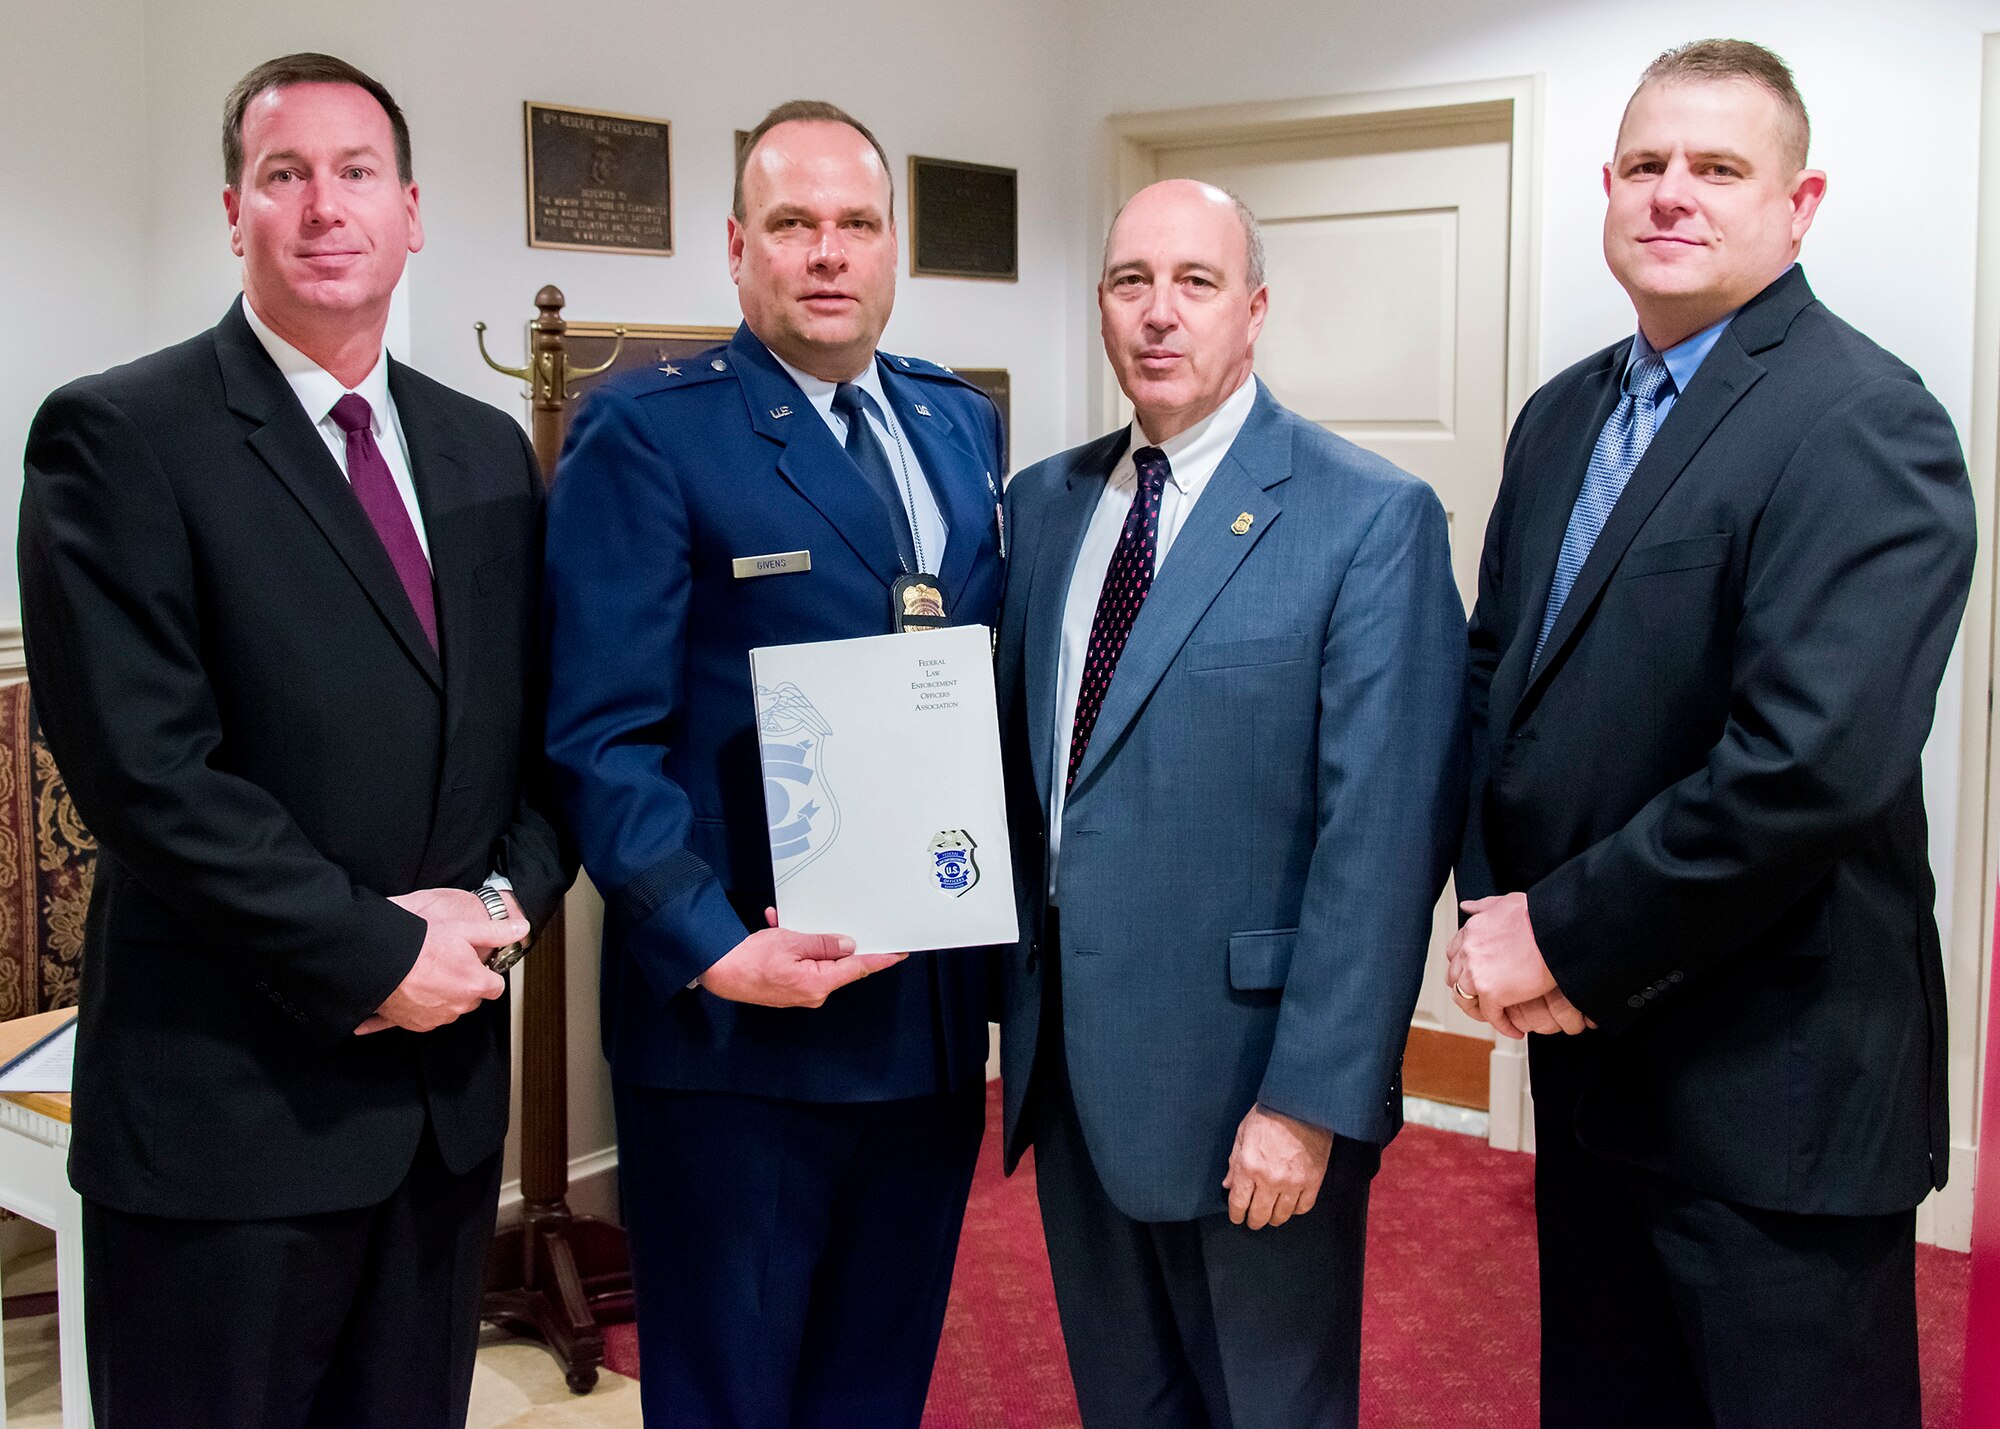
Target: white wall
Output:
[
  {"x": 112, "y": 238},
  {"x": 74, "y": 198}
]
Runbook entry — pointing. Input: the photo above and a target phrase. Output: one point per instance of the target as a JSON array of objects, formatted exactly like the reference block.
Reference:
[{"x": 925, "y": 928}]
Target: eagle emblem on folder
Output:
[{"x": 804, "y": 815}]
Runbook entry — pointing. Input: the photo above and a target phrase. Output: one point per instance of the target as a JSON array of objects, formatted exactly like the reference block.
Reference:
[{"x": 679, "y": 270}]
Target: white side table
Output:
[{"x": 34, "y": 1184}]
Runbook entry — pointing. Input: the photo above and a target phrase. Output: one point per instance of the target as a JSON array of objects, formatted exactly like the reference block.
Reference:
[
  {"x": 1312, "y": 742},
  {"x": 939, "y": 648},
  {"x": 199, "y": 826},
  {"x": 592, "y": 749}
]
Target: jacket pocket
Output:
[
  {"x": 1692, "y": 553},
  {"x": 1234, "y": 654},
  {"x": 1260, "y": 961}
]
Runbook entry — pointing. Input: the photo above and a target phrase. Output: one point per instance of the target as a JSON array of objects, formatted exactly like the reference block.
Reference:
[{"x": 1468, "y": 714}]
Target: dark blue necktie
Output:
[
  {"x": 1626, "y": 435},
  {"x": 1127, "y": 582},
  {"x": 866, "y": 452}
]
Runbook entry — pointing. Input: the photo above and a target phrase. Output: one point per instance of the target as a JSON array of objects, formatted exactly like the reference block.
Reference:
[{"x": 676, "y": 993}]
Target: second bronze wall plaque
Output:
[
  {"x": 599, "y": 181},
  {"x": 964, "y": 220}
]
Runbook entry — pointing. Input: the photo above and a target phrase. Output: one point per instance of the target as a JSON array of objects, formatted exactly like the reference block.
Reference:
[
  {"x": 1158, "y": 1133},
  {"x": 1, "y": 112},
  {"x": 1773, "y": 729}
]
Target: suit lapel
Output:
[
  {"x": 962, "y": 480},
  {"x": 1203, "y": 557},
  {"x": 1058, "y": 537},
  {"x": 442, "y": 474},
  {"x": 285, "y": 440},
  {"x": 1725, "y": 375},
  {"x": 812, "y": 461}
]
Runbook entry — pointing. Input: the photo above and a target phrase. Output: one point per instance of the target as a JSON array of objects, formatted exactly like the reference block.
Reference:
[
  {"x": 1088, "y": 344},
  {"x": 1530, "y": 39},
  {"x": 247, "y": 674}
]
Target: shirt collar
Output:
[
  {"x": 1203, "y": 445},
  {"x": 820, "y": 392},
  {"x": 317, "y": 388},
  {"x": 1685, "y": 357}
]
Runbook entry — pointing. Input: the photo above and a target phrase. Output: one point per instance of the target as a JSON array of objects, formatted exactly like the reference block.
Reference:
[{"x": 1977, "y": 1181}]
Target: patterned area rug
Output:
[{"x": 1448, "y": 1339}]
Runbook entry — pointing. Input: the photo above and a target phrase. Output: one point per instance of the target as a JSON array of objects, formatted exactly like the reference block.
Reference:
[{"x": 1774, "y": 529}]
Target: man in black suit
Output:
[
  {"x": 279, "y": 594},
  {"x": 1717, "y": 596}
]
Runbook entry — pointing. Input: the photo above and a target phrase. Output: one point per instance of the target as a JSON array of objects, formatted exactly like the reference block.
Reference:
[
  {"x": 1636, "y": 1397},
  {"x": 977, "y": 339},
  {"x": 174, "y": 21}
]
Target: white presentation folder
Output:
[{"x": 881, "y": 761}]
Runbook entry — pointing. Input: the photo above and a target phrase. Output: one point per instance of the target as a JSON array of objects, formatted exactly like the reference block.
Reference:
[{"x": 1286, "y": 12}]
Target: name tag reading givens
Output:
[{"x": 778, "y": 563}]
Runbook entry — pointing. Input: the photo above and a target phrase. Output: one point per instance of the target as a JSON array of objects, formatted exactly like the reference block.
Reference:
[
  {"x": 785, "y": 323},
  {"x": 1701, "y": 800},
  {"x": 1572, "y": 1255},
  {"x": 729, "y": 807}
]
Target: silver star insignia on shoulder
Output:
[
  {"x": 904, "y": 360},
  {"x": 671, "y": 370},
  {"x": 781, "y": 411},
  {"x": 922, "y": 410}
]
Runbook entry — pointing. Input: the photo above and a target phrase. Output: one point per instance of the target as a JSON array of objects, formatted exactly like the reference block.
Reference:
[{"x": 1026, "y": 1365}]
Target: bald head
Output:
[
  {"x": 1181, "y": 302},
  {"x": 1200, "y": 195}
]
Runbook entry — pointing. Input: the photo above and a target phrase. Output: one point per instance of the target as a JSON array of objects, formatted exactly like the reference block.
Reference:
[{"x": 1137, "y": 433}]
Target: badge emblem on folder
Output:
[{"x": 951, "y": 862}]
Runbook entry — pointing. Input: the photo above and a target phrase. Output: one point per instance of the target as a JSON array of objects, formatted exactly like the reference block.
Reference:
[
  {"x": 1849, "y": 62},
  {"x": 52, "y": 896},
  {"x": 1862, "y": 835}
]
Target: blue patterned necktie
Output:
[
  {"x": 1126, "y": 584},
  {"x": 853, "y": 403},
  {"x": 1619, "y": 446}
]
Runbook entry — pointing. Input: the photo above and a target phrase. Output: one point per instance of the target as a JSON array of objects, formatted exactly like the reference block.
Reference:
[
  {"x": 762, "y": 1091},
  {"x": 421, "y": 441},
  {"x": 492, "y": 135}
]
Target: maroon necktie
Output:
[
  {"x": 1126, "y": 582},
  {"x": 375, "y": 488}
]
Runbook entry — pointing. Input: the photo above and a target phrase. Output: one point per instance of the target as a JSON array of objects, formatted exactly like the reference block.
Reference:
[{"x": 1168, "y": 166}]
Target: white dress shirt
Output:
[
  {"x": 919, "y": 501},
  {"x": 1192, "y": 458},
  {"x": 318, "y": 390}
]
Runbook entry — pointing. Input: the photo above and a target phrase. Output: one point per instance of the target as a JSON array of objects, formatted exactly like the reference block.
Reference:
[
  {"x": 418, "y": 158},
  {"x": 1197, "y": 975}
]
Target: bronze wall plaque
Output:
[
  {"x": 964, "y": 220},
  {"x": 646, "y": 345},
  {"x": 995, "y": 383},
  {"x": 598, "y": 181}
]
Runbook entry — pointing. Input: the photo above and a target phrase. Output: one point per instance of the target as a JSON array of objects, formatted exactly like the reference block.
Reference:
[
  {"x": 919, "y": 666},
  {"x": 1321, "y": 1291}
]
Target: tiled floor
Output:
[{"x": 517, "y": 1385}]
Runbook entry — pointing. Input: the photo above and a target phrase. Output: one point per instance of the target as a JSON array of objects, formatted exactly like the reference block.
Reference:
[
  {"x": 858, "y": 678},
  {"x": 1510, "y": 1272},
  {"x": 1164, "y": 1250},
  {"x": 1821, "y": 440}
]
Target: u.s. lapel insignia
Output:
[
  {"x": 922, "y": 410},
  {"x": 1241, "y": 525},
  {"x": 781, "y": 411},
  {"x": 671, "y": 370},
  {"x": 718, "y": 364}
]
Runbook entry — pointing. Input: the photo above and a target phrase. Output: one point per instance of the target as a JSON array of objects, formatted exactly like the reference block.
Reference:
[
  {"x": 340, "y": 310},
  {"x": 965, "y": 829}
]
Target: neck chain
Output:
[{"x": 909, "y": 493}]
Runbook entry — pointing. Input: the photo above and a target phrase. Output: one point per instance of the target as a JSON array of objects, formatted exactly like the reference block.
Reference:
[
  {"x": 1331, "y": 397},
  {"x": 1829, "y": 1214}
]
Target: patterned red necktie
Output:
[
  {"x": 1126, "y": 582},
  {"x": 375, "y": 488}
]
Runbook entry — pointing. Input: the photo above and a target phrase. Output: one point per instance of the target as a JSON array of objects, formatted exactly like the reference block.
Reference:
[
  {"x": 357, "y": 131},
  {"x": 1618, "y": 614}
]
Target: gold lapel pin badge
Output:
[{"x": 1242, "y": 523}]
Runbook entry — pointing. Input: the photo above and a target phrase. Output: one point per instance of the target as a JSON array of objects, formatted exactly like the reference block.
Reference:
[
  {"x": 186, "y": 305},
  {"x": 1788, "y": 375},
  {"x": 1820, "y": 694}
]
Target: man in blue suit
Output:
[
  {"x": 794, "y": 1150},
  {"x": 1231, "y": 668}
]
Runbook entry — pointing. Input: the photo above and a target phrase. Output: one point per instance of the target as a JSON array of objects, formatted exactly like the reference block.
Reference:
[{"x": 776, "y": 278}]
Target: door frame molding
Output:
[
  {"x": 1137, "y": 139},
  {"x": 1946, "y": 1218}
]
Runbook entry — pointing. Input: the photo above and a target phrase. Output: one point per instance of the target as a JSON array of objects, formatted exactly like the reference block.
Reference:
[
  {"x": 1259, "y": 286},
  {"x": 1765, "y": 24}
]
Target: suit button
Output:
[
  {"x": 1673, "y": 977},
  {"x": 1635, "y": 1001},
  {"x": 1651, "y": 993}
]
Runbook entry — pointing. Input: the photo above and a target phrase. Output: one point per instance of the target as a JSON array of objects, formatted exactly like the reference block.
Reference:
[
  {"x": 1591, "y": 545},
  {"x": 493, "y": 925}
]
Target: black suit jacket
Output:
[
  {"x": 1709, "y": 789},
  {"x": 255, "y": 728}
]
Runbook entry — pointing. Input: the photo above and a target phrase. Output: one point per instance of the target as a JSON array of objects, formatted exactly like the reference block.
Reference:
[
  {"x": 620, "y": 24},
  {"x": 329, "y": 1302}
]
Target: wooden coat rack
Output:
[{"x": 558, "y": 1277}]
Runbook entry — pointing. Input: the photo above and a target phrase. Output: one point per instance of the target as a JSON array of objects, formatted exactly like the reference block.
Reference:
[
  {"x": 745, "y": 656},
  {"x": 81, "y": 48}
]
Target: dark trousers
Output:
[
  {"x": 1197, "y": 1324},
  {"x": 792, "y": 1259},
  {"x": 348, "y": 1320},
  {"x": 1666, "y": 1309}
]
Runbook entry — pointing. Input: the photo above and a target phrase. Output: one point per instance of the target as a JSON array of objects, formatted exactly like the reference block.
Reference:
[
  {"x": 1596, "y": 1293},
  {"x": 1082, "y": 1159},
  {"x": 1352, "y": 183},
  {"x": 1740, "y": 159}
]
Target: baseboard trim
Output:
[
  {"x": 13, "y": 654},
  {"x": 593, "y": 1188},
  {"x": 1945, "y": 1217},
  {"x": 1447, "y": 1067}
]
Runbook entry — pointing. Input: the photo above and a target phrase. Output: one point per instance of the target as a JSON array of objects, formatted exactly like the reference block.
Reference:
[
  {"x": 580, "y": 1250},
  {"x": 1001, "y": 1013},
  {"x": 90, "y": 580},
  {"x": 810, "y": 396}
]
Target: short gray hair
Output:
[{"x": 1253, "y": 238}]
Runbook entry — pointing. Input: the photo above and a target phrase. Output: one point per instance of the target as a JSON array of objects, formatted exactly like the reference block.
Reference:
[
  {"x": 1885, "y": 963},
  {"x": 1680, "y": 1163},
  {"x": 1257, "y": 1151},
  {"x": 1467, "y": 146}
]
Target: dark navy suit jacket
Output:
[
  {"x": 1709, "y": 788},
  {"x": 667, "y": 478}
]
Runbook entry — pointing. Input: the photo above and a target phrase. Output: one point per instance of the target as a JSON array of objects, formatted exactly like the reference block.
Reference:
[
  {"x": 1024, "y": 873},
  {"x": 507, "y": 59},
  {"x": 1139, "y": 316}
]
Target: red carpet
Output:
[{"x": 1449, "y": 1333}]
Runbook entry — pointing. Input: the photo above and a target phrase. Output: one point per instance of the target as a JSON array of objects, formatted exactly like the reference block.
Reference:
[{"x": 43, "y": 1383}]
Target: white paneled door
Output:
[{"x": 1386, "y": 247}]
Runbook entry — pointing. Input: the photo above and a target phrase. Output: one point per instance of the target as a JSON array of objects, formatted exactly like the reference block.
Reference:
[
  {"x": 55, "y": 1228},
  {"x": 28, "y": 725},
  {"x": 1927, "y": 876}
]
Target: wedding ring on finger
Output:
[{"x": 1469, "y": 997}]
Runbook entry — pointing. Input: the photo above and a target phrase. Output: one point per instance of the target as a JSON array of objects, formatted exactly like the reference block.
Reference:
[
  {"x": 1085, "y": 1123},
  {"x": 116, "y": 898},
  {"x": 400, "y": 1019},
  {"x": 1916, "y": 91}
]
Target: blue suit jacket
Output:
[
  {"x": 667, "y": 477},
  {"x": 1258, "y": 833}
]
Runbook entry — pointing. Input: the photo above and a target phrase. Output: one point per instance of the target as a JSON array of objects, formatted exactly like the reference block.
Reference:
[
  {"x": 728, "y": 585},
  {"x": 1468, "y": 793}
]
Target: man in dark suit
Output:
[
  {"x": 1231, "y": 672},
  {"x": 1718, "y": 592},
  {"x": 794, "y": 1174},
  {"x": 279, "y": 595}
]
